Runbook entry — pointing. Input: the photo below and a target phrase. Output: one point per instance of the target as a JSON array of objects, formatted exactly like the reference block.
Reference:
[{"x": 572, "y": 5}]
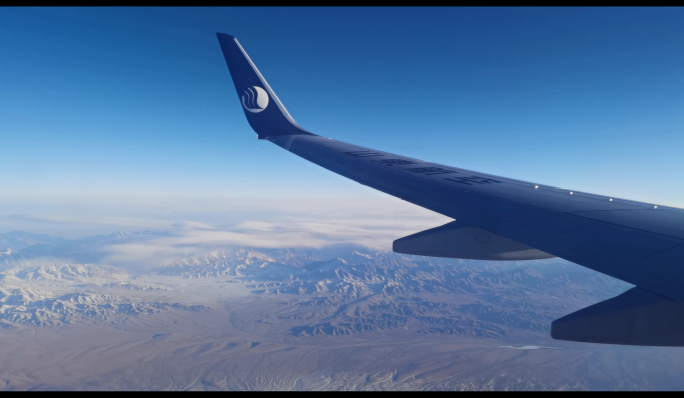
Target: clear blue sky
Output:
[{"x": 138, "y": 103}]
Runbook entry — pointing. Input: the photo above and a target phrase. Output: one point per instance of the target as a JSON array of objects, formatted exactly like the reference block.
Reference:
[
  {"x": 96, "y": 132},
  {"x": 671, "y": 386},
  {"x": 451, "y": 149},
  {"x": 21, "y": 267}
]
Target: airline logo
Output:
[{"x": 255, "y": 99}]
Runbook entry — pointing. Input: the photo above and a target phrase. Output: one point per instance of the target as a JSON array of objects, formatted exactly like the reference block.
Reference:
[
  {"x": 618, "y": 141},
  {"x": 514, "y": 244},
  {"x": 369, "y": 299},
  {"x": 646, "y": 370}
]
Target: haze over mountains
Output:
[{"x": 341, "y": 317}]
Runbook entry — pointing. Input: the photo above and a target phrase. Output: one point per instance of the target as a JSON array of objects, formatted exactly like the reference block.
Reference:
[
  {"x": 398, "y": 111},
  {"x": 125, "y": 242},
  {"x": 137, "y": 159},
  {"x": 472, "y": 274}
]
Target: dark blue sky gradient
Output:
[{"x": 139, "y": 103}]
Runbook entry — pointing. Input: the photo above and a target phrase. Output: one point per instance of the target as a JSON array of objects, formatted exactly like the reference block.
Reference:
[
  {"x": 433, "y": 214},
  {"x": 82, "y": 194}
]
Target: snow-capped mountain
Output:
[
  {"x": 67, "y": 272},
  {"x": 40, "y": 308},
  {"x": 238, "y": 303}
]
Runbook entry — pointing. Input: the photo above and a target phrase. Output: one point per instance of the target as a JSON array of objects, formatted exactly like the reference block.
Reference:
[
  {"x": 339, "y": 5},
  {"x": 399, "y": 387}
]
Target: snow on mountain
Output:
[
  {"x": 223, "y": 263},
  {"x": 66, "y": 272},
  {"x": 40, "y": 308}
]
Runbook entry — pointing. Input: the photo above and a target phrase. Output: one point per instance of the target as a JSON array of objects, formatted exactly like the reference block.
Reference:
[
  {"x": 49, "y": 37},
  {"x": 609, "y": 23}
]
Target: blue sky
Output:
[{"x": 134, "y": 109}]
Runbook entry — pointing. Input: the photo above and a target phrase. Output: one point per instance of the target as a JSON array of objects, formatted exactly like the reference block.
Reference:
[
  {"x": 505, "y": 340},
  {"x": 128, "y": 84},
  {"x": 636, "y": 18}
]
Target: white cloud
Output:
[
  {"x": 192, "y": 225},
  {"x": 371, "y": 228},
  {"x": 373, "y": 222}
]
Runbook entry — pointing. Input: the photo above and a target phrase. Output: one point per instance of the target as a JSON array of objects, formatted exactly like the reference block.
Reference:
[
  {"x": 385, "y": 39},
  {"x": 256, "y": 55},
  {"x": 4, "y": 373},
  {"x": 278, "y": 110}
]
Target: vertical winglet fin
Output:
[{"x": 264, "y": 111}]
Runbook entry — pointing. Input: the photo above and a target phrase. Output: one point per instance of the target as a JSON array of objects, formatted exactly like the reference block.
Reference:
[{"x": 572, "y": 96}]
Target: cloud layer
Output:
[
  {"x": 373, "y": 221},
  {"x": 372, "y": 229}
]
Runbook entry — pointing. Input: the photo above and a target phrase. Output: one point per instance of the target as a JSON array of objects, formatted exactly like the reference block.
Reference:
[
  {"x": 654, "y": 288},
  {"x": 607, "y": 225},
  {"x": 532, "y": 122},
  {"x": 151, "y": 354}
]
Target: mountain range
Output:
[{"x": 227, "y": 309}]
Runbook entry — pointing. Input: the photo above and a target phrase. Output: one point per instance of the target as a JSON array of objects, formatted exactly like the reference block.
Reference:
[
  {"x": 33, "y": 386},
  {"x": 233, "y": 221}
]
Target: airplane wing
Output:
[{"x": 506, "y": 219}]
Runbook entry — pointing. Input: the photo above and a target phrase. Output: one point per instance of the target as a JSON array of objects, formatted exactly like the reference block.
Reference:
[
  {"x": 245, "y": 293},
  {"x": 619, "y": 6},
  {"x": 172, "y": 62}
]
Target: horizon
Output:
[{"x": 127, "y": 118}]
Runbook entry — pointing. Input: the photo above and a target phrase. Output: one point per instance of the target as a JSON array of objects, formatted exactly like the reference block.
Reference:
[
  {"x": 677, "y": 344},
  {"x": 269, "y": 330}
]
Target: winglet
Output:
[{"x": 264, "y": 111}]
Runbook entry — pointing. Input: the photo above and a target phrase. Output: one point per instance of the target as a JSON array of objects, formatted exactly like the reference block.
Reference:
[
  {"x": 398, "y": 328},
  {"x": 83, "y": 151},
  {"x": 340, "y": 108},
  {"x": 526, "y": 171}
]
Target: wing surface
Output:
[{"x": 640, "y": 243}]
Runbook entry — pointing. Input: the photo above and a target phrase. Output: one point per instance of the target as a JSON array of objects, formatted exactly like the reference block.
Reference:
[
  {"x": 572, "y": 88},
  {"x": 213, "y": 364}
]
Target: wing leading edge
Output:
[{"x": 640, "y": 243}]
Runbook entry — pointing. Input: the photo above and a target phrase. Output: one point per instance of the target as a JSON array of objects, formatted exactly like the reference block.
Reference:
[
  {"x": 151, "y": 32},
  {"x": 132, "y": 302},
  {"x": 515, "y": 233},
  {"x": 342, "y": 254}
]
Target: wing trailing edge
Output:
[
  {"x": 458, "y": 240},
  {"x": 636, "y": 317}
]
